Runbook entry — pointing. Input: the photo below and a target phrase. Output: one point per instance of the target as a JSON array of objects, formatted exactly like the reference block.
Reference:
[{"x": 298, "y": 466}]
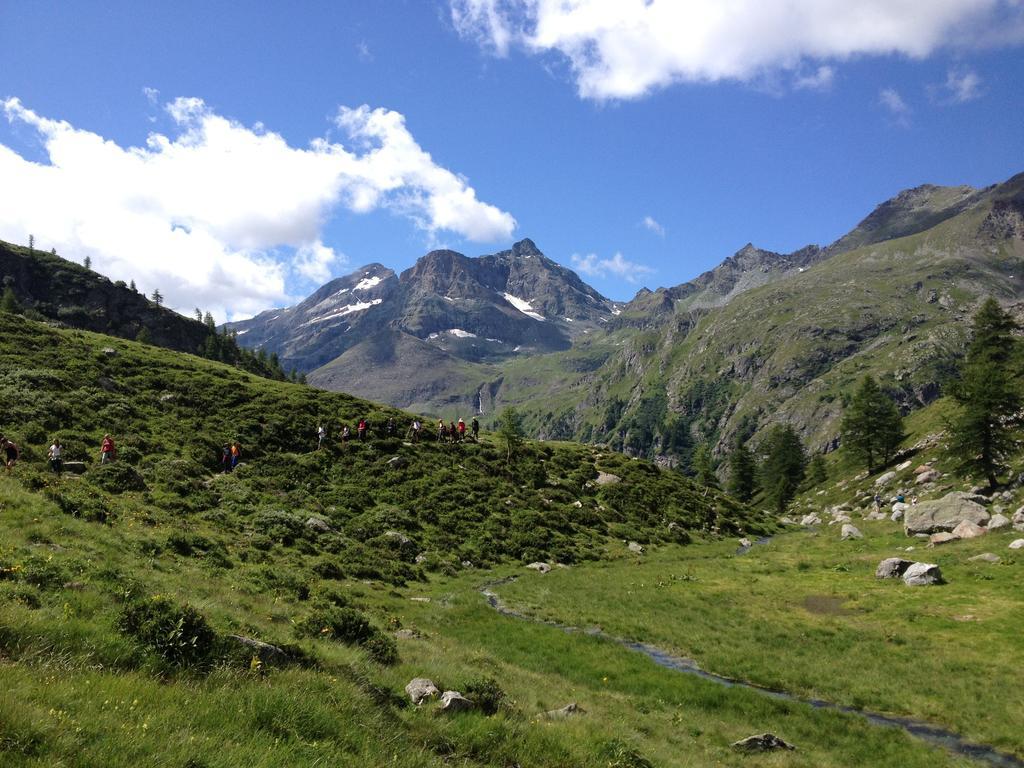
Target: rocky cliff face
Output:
[{"x": 69, "y": 293}]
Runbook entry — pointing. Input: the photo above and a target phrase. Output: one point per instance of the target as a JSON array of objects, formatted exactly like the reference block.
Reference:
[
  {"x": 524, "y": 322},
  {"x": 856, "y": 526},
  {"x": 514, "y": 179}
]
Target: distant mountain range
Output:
[{"x": 763, "y": 337}]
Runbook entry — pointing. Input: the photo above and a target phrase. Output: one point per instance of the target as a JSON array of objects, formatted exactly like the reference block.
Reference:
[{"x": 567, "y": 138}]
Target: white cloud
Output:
[
  {"x": 617, "y": 266},
  {"x": 649, "y": 223},
  {"x": 899, "y": 109},
  {"x": 205, "y": 215},
  {"x": 819, "y": 80},
  {"x": 963, "y": 85},
  {"x": 621, "y": 49},
  {"x": 152, "y": 95}
]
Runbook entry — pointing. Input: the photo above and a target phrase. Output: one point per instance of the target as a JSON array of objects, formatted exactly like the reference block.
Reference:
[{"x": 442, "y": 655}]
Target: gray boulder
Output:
[
  {"x": 398, "y": 536},
  {"x": 985, "y": 557},
  {"x": 998, "y": 522},
  {"x": 942, "y": 537},
  {"x": 897, "y": 515},
  {"x": 453, "y": 701},
  {"x": 892, "y": 568},
  {"x": 1017, "y": 544},
  {"x": 539, "y": 567},
  {"x": 922, "y": 575},
  {"x": 851, "y": 532},
  {"x": 1017, "y": 520},
  {"x": 420, "y": 689},
  {"x": 75, "y": 467},
  {"x": 635, "y": 547},
  {"x": 811, "y": 519},
  {"x": 318, "y": 524},
  {"x": 968, "y": 530},
  {"x": 746, "y": 543},
  {"x": 607, "y": 478},
  {"x": 268, "y": 654},
  {"x": 763, "y": 742},
  {"x": 944, "y": 514},
  {"x": 885, "y": 479},
  {"x": 569, "y": 710},
  {"x": 927, "y": 477}
]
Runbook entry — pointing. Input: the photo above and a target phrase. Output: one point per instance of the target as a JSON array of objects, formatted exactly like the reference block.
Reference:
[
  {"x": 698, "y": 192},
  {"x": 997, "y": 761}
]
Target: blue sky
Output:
[{"x": 486, "y": 121}]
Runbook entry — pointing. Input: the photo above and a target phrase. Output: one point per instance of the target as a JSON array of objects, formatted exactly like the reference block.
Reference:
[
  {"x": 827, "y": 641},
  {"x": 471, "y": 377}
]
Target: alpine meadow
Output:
[{"x": 377, "y": 388}]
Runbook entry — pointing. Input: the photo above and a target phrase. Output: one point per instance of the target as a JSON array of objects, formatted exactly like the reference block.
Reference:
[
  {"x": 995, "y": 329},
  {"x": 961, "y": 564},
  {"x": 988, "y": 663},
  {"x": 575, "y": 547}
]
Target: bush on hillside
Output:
[
  {"x": 117, "y": 477},
  {"x": 486, "y": 694},
  {"x": 178, "y": 633},
  {"x": 350, "y": 626},
  {"x": 80, "y": 500}
]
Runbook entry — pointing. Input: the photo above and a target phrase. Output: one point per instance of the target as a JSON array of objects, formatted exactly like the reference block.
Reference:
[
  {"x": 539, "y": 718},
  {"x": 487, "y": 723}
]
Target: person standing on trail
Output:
[
  {"x": 462, "y": 430},
  {"x": 346, "y": 433},
  {"x": 55, "y": 454},
  {"x": 225, "y": 458},
  {"x": 108, "y": 452},
  {"x": 452, "y": 434},
  {"x": 391, "y": 428},
  {"x": 11, "y": 452},
  {"x": 236, "y": 454},
  {"x": 475, "y": 428},
  {"x": 442, "y": 431},
  {"x": 361, "y": 430},
  {"x": 416, "y": 427},
  {"x": 321, "y": 433}
]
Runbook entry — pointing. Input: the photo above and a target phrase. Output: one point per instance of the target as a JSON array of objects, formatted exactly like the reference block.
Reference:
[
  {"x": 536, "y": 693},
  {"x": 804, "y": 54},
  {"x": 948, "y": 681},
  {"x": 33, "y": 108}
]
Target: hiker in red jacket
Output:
[
  {"x": 10, "y": 452},
  {"x": 462, "y": 430},
  {"x": 107, "y": 450},
  {"x": 361, "y": 430}
]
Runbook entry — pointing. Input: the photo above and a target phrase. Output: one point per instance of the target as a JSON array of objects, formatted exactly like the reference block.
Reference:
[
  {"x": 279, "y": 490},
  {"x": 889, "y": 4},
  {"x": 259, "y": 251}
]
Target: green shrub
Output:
[
  {"x": 486, "y": 694},
  {"x": 179, "y": 634},
  {"x": 619, "y": 754},
  {"x": 117, "y": 477},
  {"x": 338, "y": 623},
  {"x": 382, "y": 649}
]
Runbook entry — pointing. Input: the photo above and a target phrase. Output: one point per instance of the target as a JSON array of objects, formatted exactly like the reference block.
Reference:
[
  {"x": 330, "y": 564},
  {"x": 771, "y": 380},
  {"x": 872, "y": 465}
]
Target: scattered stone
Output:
[
  {"x": 885, "y": 479},
  {"x": 896, "y": 516},
  {"x": 74, "y": 586},
  {"x": 407, "y": 634},
  {"x": 879, "y": 515},
  {"x": 942, "y": 537},
  {"x": 606, "y": 478},
  {"x": 109, "y": 351},
  {"x": 578, "y": 504},
  {"x": 397, "y": 462},
  {"x": 905, "y": 465},
  {"x": 539, "y": 567},
  {"x": 635, "y": 547},
  {"x": 851, "y": 532},
  {"x": 944, "y": 514},
  {"x": 569, "y": 710},
  {"x": 1017, "y": 544},
  {"x": 398, "y": 536},
  {"x": 265, "y": 652},
  {"x": 927, "y": 477},
  {"x": 166, "y": 397},
  {"x": 922, "y": 575},
  {"x": 900, "y": 506},
  {"x": 764, "y": 742},
  {"x": 420, "y": 689},
  {"x": 787, "y": 521},
  {"x": 746, "y": 543},
  {"x": 420, "y": 599},
  {"x": 453, "y": 701},
  {"x": 1017, "y": 519},
  {"x": 811, "y": 519},
  {"x": 421, "y": 558},
  {"x": 75, "y": 467},
  {"x": 842, "y": 517},
  {"x": 985, "y": 557},
  {"x": 318, "y": 524},
  {"x": 968, "y": 530},
  {"x": 922, "y": 469},
  {"x": 892, "y": 568},
  {"x": 467, "y": 563},
  {"x": 998, "y": 522}
]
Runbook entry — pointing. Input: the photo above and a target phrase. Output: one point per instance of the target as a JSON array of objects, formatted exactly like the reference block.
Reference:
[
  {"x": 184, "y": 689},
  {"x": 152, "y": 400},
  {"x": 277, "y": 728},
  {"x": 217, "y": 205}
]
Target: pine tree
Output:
[
  {"x": 817, "y": 472},
  {"x": 510, "y": 429},
  {"x": 87, "y": 262},
  {"x": 783, "y": 467},
  {"x": 31, "y": 243},
  {"x": 742, "y": 472},
  {"x": 704, "y": 466},
  {"x": 872, "y": 427},
  {"x": 158, "y": 298},
  {"x": 199, "y": 315},
  {"x": 133, "y": 287},
  {"x": 144, "y": 336},
  {"x": 987, "y": 393},
  {"x": 9, "y": 302}
]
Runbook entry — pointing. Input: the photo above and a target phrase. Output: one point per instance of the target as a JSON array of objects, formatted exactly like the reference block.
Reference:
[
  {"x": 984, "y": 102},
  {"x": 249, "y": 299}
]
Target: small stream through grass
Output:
[{"x": 931, "y": 733}]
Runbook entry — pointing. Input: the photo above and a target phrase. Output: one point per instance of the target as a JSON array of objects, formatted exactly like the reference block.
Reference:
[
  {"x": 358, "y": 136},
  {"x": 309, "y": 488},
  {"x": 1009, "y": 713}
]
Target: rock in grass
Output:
[
  {"x": 998, "y": 522},
  {"x": 267, "y": 653},
  {"x": 539, "y": 567},
  {"x": 968, "y": 530},
  {"x": 569, "y": 710},
  {"x": 453, "y": 701},
  {"x": 885, "y": 479},
  {"x": 892, "y": 568},
  {"x": 851, "y": 532},
  {"x": 607, "y": 478},
  {"x": 75, "y": 467},
  {"x": 745, "y": 542},
  {"x": 420, "y": 689},
  {"x": 922, "y": 575},
  {"x": 985, "y": 557},
  {"x": 942, "y": 537},
  {"x": 927, "y": 477},
  {"x": 811, "y": 519},
  {"x": 763, "y": 742},
  {"x": 944, "y": 514},
  {"x": 1017, "y": 544},
  {"x": 318, "y": 524},
  {"x": 635, "y": 547}
]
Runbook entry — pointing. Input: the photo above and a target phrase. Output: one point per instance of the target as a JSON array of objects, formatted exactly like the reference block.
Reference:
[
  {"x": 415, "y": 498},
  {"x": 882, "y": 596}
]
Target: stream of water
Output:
[{"x": 931, "y": 733}]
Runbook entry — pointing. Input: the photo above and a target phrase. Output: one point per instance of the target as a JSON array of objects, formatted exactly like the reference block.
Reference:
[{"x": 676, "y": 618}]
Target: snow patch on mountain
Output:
[{"x": 523, "y": 306}]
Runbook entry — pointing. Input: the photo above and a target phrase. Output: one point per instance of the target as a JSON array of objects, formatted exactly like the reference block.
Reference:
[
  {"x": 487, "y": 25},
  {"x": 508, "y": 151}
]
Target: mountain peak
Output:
[{"x": 526, "y": 247}]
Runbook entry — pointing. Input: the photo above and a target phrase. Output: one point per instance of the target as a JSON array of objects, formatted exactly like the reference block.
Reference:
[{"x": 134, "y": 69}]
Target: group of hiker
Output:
[
  {"x": 231, "y": 452},
  {"x": 450, "y": 433}
]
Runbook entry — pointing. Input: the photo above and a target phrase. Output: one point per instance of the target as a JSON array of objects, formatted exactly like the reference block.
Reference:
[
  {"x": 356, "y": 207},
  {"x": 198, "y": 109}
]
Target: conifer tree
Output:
[
  {"x": 742, "y": 472},
  {"x": 783, "y": 467},
  {"x": 872, "y": 427},
  {"x": 9, "y": 302},
  {"x": 987, "y": 393},
  {"x": 158, "y": 298},
  {"x": 87, "y": 262},
  {"x": 817, "y": 472},
  {"x": 510, "y": 430},
  {"x": 704, "y": 466}
]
